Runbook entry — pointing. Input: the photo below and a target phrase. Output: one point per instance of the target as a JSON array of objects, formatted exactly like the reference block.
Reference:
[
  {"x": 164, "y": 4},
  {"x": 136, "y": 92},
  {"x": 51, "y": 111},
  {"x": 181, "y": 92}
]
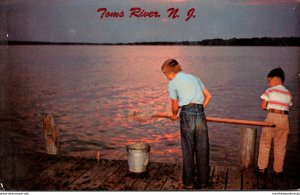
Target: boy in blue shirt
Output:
[{"x": 188, "y": 93}]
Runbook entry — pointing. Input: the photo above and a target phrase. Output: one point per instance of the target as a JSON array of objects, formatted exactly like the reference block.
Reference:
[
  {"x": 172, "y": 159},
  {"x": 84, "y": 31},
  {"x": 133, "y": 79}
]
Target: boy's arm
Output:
[
  {"x": 264, "y": 104},
  {"x": 207, "y": 97},
  {"x": 175, "y": 109}
]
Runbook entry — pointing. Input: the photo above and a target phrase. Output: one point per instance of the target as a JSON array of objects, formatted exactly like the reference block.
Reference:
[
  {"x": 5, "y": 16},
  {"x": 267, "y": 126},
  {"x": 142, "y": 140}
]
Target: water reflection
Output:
[{"x": 90, "y": 90}]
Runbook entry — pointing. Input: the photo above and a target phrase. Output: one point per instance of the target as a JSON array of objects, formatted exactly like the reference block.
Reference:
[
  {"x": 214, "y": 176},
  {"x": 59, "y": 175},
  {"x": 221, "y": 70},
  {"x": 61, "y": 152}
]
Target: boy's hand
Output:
[
  {"x": 175, "y": 108},
  {"x": 173, "y": 117}
]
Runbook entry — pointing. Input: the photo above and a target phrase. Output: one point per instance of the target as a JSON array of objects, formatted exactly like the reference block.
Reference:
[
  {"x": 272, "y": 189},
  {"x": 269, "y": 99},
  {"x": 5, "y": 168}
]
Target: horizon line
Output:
[{"x": 215, "y": 41}]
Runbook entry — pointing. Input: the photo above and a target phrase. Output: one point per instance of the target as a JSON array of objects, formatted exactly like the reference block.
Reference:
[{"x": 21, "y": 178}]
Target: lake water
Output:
[{"x": 90, "y": 90}]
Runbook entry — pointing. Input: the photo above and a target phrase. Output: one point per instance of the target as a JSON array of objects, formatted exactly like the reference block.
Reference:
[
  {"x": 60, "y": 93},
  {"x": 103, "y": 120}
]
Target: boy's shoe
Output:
[
  {"x": 262, "y": 172},
  {"x": 204, "y": 185},
  {"x": 278, "y": 175},
  {"x": 199, "y": 186}
]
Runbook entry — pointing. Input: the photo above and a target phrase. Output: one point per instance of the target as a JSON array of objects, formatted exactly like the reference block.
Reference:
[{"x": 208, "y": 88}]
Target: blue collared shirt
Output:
[{"x": 186, "y": 88}]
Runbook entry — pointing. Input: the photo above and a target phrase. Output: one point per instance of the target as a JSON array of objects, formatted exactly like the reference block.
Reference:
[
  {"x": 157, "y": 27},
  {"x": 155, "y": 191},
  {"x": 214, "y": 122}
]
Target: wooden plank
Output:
[
  {"x": 68, "y": 176},
  {"x": 249, "y": 180},
  {"x": 280, "y": 183},
  {"x": 24, "y": 169},
  {"x": 45, "y": 180},
  {"x": 95, "y": 177},
  {"x": 141, "y": 183},
  {"x": 264, "y": 182},
  {"x": 160, "y": 177},
  {"x": 234, "y": 179},
  {"x": 294, "y": 182},
  {"x": 291, "y": 171},
  {"x": 12, "y": 168},
  {"x": 127, "y": 182},
  {"x": 33, "y": 180},
  {"x": 11, "y": 172},
  {"x": 219, "y": 178},
  {"x": 293, "y": 179},
  {"x": 83, "y": 181},
  {"x": 115, "y": 177},
  {"x": 110, "y": 171},
  {"x": 172, "y": 182},
  {"x": 39, "y": 171},
  {"x": 61, "y": 174},
  {"x": 20, "y": 165}
]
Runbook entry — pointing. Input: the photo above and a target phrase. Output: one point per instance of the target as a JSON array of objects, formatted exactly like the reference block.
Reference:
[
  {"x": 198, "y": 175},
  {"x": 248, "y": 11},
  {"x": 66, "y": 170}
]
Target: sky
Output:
[{"x": 79, "y": 21}]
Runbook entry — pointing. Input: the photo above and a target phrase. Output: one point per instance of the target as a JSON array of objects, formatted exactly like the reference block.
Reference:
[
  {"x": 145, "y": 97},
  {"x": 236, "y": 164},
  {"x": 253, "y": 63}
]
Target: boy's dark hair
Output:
[
  {"x": 171, "y": 65},
  {"x": 277, "y": 72}
]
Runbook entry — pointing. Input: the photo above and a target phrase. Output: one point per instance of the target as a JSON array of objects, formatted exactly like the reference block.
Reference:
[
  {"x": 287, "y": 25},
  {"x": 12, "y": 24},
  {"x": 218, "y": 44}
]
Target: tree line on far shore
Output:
[{"x": 264, "y": 41}]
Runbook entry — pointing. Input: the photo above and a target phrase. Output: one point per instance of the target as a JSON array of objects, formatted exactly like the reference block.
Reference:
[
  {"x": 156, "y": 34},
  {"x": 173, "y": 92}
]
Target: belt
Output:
[
  {"x": 192, "y": 105},
  {"x": 278, "y": 111}
]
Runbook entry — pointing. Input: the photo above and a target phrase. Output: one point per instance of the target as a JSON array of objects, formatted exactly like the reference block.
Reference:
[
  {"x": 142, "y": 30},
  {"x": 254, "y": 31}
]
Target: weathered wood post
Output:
[
  {"x": 247, "y": 147},
  {"x": 51, "y": 135}
]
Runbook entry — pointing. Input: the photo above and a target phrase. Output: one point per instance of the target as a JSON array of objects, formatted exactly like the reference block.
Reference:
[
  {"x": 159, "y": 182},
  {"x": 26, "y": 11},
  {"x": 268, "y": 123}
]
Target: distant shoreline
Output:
[{"x": 264, "y": 41}]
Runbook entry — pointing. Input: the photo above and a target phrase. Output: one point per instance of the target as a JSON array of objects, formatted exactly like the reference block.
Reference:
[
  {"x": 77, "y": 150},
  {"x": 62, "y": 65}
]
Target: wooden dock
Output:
[{"x": 42, "y": 172}]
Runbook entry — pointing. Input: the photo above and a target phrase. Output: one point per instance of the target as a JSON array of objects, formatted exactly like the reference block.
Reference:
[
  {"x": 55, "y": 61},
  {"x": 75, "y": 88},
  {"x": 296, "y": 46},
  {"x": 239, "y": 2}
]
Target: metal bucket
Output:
[{"x": 138, "y": 157}]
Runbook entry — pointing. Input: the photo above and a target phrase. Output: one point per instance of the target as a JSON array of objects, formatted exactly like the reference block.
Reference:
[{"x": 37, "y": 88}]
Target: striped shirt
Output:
[{"x": 278, "y": 97}]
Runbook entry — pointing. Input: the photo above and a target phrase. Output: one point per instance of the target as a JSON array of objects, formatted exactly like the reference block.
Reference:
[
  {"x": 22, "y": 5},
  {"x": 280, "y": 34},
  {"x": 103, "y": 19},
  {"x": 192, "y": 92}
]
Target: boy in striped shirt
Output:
[{"x": 276, "y": 100}]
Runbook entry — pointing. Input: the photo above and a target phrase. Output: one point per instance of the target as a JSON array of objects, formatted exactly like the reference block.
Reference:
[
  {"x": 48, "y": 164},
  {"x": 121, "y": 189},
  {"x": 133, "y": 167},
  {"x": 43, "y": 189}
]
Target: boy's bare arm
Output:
[
  {"x": 264, "y": 104},
  {"x": 207, "y": 97},
  {"x": 175, "y": 109}
]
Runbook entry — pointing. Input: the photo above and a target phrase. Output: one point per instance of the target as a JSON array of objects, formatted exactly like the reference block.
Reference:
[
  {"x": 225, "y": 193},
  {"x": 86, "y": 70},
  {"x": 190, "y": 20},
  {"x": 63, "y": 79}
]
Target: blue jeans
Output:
[{"x": 194, "y": 144}]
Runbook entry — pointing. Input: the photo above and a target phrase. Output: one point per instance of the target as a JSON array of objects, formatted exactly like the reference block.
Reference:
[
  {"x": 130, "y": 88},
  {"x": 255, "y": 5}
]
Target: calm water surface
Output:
[{"x": 91, "y": 89}]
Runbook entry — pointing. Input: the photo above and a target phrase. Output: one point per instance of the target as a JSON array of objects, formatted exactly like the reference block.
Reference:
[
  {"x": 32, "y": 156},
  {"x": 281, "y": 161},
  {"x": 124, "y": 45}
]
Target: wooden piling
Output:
[
  {"x": 247, "y": 147},
  {"x": 51, "y": 135}
]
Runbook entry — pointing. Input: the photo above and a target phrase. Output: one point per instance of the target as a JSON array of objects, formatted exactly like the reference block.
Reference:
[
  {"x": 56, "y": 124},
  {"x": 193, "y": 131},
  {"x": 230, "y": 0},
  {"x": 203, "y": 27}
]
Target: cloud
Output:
[{"x": 268, "y": 2}]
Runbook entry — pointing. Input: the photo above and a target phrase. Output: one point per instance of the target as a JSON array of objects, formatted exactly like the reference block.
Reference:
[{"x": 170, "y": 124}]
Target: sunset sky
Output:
[{"x": 79, "y": 21}]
